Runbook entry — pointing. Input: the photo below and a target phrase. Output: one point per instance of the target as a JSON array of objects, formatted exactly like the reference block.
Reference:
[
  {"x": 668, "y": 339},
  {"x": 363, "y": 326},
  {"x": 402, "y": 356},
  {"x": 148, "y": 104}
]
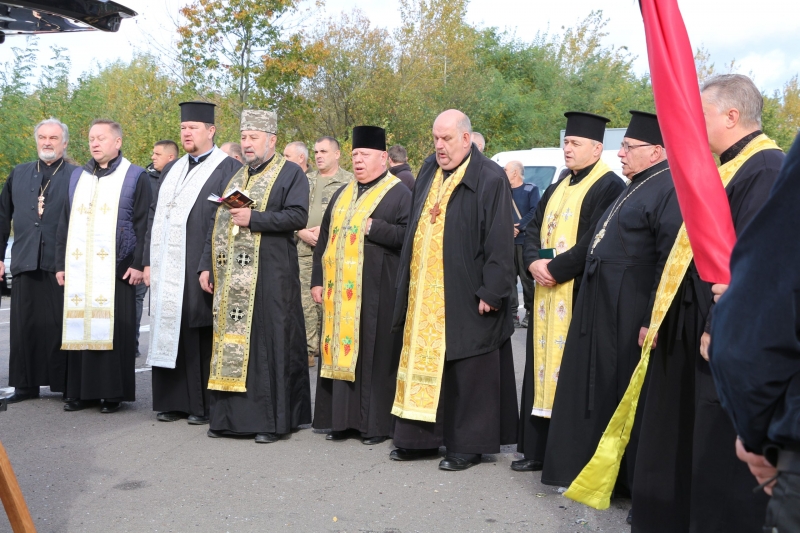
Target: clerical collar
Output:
[
  {"x": 111, "y": 167},
  {"x": 737, "y": 147},
  {"x": 366, "y": 186},
  {"x": 446, "y": 173},
  {"x": 260, "y": 168},
  {"x": 650, "y": 171},
  {"x": 199, "y": 159},
  {"x": 577, "y": 177},
  {"x": 49, "y": 170}
]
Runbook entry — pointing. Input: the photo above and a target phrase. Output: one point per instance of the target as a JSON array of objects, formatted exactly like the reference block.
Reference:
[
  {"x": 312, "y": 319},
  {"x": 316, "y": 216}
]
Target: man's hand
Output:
[
  {"x": 146, "y": 276},
  {"x": 516, "y": 230},
  {"x": 718, "y": 290},
  {"x": 307, "y": 236},
  {"x": 758, "y": 465},
  {"x": 204, "y": 283},
  {"x": 60, "y": 278},
  {"x": 241, "y": 216},
  {"x": 541, "y": 274},
  {"x": 483, "y": 307},
  {"x": 133, "y": 276},
  {"x": 2, "y": 269},
  {"x": 316, "y": 294},
  {"x": 643, "y": 334},
  {"x": 705, "y": 342}
]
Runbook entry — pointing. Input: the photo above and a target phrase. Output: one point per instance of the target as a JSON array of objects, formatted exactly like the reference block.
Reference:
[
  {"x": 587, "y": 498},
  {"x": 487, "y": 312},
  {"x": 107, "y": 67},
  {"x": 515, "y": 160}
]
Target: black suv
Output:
[{"x": 57, "y": 16}]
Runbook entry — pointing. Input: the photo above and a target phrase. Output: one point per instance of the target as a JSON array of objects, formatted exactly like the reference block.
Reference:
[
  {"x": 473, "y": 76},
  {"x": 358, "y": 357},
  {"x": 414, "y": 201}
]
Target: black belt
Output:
[{"x": 785, "y": 459}]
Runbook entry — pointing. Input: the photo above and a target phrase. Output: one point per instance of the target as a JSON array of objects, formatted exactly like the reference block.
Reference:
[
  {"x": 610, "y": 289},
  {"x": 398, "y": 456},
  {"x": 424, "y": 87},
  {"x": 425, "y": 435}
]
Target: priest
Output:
[
  {"x": 33, "y": 197},
  {"x": 626, "y": 256},
  {"x": 354, "y": 278},
  {"x": 557, "y": 240},
  {"x": 455, "y": 381},
  {"x": 99, "y": 249},
  {"x": 688, "y": 477},
  {"x": 259, "y": 369},
  {"x": 180, "y": 218}
]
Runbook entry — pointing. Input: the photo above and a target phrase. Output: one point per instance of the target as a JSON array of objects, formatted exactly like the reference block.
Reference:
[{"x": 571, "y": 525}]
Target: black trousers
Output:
[
  {"x": 783, "y": 510},
  {"x": 526, "y": 280}
]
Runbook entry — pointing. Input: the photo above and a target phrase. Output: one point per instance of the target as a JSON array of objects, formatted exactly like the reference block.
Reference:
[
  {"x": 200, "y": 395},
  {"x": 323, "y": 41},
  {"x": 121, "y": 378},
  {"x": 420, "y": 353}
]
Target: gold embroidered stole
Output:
[
  {"x": 236, "y": 264},
  {"x": 342, "y": 266},
  {"x": 554, "y": 304},
  {"x": 419, "y": 376},
  {"x": 91, "y": 262},
  {"x": 594, "y": 484}
]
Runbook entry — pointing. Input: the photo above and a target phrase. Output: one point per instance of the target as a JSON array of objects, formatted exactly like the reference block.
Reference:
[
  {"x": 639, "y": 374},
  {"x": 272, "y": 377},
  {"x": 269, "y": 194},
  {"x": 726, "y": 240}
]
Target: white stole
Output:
[
  {"x": 168, "y": 253},
  {"x": 91, "y": 262}
]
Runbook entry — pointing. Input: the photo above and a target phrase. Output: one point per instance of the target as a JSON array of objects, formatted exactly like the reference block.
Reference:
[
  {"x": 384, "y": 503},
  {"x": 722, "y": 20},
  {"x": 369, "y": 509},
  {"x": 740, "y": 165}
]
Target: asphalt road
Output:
[{"x": 127, "y": 472}]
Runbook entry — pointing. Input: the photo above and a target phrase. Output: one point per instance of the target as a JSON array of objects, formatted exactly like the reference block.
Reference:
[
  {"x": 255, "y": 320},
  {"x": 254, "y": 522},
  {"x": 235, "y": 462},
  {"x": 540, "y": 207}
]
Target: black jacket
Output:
[
  {"x": 478, "y": 257},
  {"x": 18, "y": 201},
  {"x": 403, "y": 173}
]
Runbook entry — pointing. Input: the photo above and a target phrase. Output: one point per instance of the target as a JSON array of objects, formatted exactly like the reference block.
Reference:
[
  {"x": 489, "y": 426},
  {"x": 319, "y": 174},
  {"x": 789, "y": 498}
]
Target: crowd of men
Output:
[{"x": 405, "y": 289}]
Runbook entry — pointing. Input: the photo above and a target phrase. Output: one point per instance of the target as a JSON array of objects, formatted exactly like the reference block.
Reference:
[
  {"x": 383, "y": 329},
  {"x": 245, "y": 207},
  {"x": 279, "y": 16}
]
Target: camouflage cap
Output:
[{"x": 259, "y": 120}]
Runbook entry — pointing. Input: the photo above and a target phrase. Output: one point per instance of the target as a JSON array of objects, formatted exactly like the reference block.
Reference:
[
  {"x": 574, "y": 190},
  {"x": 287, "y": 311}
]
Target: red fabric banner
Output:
[{"x": 701, "y": 195}]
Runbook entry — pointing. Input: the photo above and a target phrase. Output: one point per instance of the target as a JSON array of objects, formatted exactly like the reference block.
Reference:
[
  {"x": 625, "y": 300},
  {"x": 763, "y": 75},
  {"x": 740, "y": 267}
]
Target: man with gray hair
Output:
[
  {"x": 478, "y": 140},
  {"x": 683, "y": 417},
  {"x": 33, "y": 197},
  {"x": 297, "y": 153}
]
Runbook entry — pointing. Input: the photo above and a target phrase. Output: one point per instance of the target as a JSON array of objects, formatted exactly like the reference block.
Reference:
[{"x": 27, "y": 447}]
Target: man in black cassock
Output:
[
  {"x": 268, "y": 393},
  {"x": 361, "y": 401},
  {"x": 108, "y": 374},
  {"x": 688, "y": 477},
  {"x": 35, "y": 358},
  {"x": 626, "y": 256},
  {"x": 180, "y": 332},
  {"x": 476, "y": 411},
  {"x": 583, "y": 147}
]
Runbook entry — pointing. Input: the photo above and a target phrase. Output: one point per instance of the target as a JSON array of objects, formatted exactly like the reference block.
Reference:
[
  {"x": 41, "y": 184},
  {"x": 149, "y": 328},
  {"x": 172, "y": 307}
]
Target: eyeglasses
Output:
[{"x": 628, "y": 147}]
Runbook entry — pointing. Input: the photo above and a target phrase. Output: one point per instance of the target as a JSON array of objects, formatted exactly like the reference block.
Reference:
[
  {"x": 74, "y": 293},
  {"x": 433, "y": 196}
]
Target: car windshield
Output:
[{"x": 542, "y": 177}]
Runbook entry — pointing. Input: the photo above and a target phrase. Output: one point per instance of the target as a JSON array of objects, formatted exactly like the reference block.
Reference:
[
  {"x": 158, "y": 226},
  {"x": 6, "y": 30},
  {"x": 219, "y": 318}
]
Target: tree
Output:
[{"x": 17, "y": 119}]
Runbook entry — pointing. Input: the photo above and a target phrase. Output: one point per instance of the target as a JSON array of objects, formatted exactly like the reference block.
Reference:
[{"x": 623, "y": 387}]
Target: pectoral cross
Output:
[
  {"x": 41, "y": 205},
  {"x": 170, "y": 206},
  {"x": 435, "y": 212}
]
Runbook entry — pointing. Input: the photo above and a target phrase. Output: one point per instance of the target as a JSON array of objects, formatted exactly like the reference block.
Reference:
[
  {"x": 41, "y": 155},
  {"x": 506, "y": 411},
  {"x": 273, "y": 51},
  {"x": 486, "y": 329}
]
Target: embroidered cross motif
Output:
[
  {"x": 105, "y": 209},
  {"x": 101, "y": 300},
  {"x": 351, "y": 262},
  {"x": 435, "y": 212},
  {"x": 222, "y": 259},
  {"x": 76, "y": 300},
  {"x": 542, "y": 342},
  {"x": 561, "y": 341},
  {"x": 328, "y": 262},
  {"x": 103, "y": 254},
  {"x": 244, "y": 259},
  {"x": 348, "y": 317},
  {"x": 437, "y": 287},
  {"x": 83, "y": 210},
  {"x": 237, "y": 314},
  {"x": 214, "y": 314},
  {"x": 77, "y": 254},
  {"x": 567, "y": 214},
  {"x": 170, "y": 206}
]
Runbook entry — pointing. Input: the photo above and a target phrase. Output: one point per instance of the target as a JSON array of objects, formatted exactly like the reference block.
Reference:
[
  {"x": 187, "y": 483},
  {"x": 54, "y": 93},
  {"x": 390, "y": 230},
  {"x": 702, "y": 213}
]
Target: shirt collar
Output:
[{"x": 200, "y": 158}]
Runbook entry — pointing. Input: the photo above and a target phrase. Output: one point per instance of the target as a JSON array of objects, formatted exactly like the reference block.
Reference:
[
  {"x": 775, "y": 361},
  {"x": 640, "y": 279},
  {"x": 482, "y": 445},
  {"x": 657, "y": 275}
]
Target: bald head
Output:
[{"x": 451, "y": 138}]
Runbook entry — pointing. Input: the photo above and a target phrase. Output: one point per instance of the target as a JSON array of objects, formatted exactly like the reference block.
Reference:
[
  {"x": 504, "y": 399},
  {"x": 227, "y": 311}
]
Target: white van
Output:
[{"x": 544, "y": 166}]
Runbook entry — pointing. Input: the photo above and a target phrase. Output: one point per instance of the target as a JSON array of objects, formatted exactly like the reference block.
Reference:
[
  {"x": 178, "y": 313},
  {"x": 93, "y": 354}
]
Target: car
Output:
[
  {"x": 5, "y": 283},
  {"x": 25, "y": 17}
]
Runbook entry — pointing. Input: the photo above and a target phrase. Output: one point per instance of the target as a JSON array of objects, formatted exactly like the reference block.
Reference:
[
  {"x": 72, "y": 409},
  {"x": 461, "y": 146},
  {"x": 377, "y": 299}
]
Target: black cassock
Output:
[
  {"x": 366, "y": 403},
  {"x": 533, "y": 430},
  {"x": 185, "y": 387},
  {"x": 110, "y": 374},
  {"x": 615, "y": 301},
  {"x": 35, "y": 357},
  {"x": 278, "y": 397},
  {"x": 688, "y": 477}
]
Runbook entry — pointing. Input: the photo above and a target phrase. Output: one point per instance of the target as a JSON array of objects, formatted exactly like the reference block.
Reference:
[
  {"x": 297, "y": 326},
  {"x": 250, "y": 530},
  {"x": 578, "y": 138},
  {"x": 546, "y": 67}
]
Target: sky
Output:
[{"x": 762, "y": 43}]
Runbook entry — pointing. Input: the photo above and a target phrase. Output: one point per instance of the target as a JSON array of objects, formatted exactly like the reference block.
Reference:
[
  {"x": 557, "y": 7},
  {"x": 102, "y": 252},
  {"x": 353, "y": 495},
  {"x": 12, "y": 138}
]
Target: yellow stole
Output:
[
  {"x": 342, "y": 266},
  {"x": 419, "y": 376},
  {"x": 554, "y": 304},
  {"x": 594, "y": 484}
]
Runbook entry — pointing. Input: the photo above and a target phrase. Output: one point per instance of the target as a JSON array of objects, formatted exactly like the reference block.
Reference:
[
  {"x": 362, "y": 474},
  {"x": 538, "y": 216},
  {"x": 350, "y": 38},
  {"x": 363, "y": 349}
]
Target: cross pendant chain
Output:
[{"x": 435, "y": 212}]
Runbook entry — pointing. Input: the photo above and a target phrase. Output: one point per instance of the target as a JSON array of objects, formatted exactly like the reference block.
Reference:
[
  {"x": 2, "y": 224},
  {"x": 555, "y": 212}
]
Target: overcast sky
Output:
[{"x": 763, "y": 43}]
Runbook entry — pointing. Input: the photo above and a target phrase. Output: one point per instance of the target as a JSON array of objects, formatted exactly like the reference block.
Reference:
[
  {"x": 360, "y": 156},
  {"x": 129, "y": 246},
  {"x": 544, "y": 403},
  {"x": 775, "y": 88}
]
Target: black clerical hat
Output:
[
  {"x": 197, "y": 112},
  {"x": 644, "y": 127},
  {"x": 369, "y": 137},
  {"x": 587, "y": 125}
]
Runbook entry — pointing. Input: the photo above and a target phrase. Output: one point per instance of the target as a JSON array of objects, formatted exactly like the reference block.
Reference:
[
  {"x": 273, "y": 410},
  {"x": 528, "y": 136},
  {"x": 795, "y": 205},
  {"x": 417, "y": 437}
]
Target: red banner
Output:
[{"x": 702, "y": 198}]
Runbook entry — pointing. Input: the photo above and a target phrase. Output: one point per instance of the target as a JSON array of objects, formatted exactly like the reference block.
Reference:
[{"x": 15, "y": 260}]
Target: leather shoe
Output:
[
  {"x": 110, "y": 407},
  {"x": 214, "y": 434},
  {"x": 369, "y": 441},
  {"x": 526, "y": 465},
  {"x": 267, "y": 438},
  {"x": 629, "y": 520},
  {"x": 451, "y": 462},
  {"x": 337, "y": 435},
  {"x": 197, "y": 420},
  {"x": 77, "y": 405},
  {"x": 524, "y": 322},
  {"x": 169, "y": 416},
  {"x": 404, "y": 454},
  {"x": 516, "y": 323},
  {"x": 22, "y": 396}
]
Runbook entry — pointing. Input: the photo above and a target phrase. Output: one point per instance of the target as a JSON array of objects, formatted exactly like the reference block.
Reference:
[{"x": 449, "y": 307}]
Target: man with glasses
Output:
[{"x": 626, "y": 256}]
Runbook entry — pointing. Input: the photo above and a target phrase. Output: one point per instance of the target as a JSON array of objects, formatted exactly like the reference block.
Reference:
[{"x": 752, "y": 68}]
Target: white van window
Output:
[{"x": 542, "y": 177}]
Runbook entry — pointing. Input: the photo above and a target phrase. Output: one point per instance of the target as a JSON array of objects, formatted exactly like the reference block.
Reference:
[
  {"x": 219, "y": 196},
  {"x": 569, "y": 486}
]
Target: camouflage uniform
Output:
[{"x": 305, "y": 252}]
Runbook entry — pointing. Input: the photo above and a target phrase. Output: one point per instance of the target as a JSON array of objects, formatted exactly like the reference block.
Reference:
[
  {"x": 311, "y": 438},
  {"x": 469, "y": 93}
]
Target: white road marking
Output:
[{"x": 144, "y": 369}]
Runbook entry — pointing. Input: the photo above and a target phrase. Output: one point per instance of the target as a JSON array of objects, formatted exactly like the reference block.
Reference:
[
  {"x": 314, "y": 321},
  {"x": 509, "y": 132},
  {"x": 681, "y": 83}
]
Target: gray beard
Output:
[{"x": 48, "y": 157}]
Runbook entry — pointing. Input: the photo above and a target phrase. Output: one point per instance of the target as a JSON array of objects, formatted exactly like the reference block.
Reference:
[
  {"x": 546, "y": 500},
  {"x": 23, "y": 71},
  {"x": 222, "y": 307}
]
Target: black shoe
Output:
[
  {"x": 78, "y": 405},
  {"x": 20, "y": 396},
  {"x": 110, "y": 407},
  {"x": 267, "y": 438},
  {"x": 524, "y": 321},
  {"x": 369, "y": 441},
  {"x": 197, "y": 420},
  {"x": 516, "y": 322},
  {"x": 170, "y": 416},
  {"x": 451, "y": 462},
  {"x": 629, "y": 520},
  {"x": 337, "y": 435},
  {"x": 67, "y": 400},
  {"x": 214, "y": 434},
  {"x": 404, "y": 454},
  {"x": 526, "y": 465}
]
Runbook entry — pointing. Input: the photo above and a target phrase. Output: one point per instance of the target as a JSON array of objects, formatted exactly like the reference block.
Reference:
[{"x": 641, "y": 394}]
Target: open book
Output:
[{"x": 233, "y": 200}]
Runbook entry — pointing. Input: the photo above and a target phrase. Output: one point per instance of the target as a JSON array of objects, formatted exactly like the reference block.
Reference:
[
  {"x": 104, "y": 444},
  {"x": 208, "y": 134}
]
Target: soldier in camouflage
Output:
[{"x": 323, "y": 182}]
